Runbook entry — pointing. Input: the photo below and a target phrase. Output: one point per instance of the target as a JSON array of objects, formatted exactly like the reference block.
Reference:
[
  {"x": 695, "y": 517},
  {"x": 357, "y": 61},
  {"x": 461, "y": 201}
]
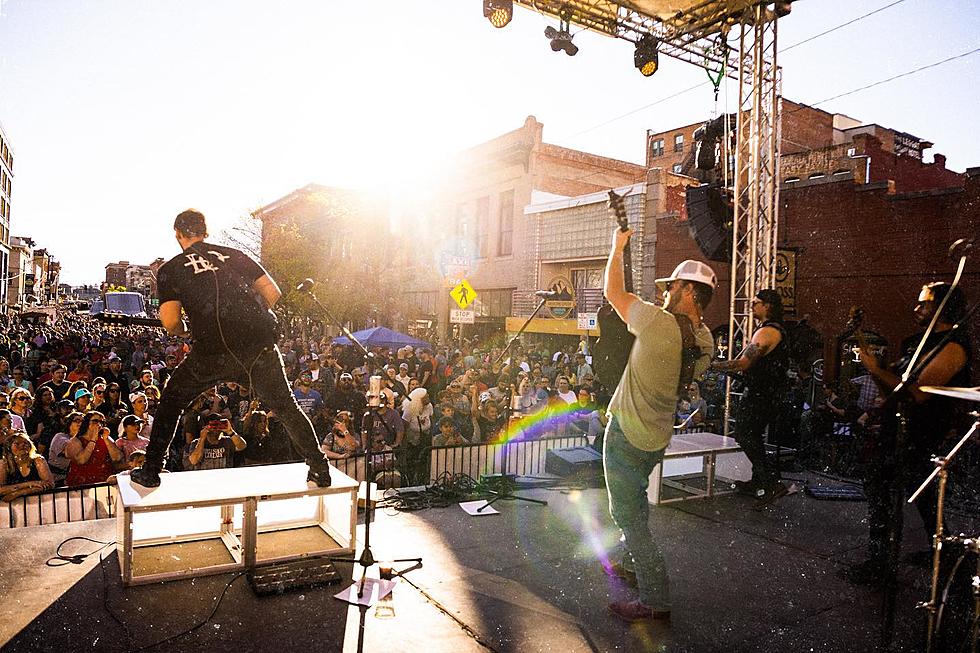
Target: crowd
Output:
[{"x": 77, "y": 401}]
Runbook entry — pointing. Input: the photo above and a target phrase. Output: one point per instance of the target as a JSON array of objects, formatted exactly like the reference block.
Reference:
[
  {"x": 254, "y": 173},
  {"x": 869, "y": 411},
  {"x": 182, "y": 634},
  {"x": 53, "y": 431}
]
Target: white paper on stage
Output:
[
  {"x": 375, "y": 589},
  {"x": 473, "y": 508}
]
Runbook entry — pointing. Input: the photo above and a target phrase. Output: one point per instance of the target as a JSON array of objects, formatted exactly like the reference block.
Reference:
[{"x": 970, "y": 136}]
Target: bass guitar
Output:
[{"x": 612, "y": 350}]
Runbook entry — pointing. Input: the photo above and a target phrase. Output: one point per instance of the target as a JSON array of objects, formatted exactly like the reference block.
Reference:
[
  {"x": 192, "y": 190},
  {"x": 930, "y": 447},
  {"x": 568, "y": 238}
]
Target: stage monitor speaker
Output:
[
  {"x": 583, "y": 461},
  {"x": 709, "y": 219}
]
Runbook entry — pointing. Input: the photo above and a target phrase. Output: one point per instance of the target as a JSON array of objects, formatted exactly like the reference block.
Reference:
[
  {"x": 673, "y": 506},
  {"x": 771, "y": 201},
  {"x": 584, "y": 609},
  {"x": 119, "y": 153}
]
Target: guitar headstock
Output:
[{"x": 619, "y": 209}]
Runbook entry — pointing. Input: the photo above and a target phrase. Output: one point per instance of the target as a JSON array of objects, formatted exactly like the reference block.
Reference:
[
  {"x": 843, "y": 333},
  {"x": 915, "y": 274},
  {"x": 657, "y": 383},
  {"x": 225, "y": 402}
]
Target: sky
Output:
[{"x": 122, "y": 113}]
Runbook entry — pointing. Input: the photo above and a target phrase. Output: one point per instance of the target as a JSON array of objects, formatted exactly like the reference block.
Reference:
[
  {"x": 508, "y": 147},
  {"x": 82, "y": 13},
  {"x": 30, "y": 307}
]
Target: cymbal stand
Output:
[{"x": 941, "y": 462}]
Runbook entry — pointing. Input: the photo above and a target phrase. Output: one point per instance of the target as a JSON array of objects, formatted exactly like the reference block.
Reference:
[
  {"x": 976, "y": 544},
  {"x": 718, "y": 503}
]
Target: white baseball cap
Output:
[{"x": 690, "y": 270}]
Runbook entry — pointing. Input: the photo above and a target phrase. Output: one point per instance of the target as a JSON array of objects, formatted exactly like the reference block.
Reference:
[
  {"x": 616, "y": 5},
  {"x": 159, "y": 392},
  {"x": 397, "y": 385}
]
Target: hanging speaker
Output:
[{"x": 709, "y": 219}]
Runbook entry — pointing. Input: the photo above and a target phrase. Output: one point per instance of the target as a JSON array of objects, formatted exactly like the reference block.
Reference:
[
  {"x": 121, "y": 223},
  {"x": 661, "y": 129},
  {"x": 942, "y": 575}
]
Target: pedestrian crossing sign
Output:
[{"x": 463, "y": 293}]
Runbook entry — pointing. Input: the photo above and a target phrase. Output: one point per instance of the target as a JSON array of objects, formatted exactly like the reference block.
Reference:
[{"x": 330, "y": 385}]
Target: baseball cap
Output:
[
  {"x": 346, "y": 375},
  {"x": 131, "y": 419},
  {"x": 82, "y": 392},
  {"x": 690, "y": 270}
]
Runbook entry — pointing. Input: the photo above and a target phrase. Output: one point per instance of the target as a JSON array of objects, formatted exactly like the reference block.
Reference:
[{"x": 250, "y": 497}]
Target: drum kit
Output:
[{"x": 970, "y": 546}]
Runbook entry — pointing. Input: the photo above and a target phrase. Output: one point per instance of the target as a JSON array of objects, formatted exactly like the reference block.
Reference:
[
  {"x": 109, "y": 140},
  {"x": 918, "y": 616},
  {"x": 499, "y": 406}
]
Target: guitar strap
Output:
[{"x": 690, "y": 353}]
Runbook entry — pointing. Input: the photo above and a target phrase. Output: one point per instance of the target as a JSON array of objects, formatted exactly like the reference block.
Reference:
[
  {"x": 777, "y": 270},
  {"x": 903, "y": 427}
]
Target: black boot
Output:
[
  {"x": 319, "y": 474},
  {"x": 147, "y": 476}
]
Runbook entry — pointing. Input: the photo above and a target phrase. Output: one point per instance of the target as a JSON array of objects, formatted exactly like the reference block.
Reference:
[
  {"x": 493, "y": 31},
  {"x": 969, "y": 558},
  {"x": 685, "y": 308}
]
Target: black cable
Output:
[
  {"x": 190, "y": 630},
  {"x": 60, "y": 560}
]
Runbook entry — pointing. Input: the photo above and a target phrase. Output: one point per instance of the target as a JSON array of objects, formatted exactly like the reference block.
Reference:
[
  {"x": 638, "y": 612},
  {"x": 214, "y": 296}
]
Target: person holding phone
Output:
[
  {"x": 91, "y": 453},
  {"x": 216, "y": 447}
]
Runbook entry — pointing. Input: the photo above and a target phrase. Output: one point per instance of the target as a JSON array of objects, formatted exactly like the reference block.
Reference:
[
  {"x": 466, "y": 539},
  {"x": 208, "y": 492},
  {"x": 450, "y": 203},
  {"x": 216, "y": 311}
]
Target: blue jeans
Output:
[{"x": 627, "y": 477}]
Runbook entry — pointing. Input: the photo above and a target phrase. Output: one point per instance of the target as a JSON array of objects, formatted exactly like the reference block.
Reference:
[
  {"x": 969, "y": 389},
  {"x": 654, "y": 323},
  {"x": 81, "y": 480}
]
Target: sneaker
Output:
[
  {"x": 145, "y": 476},
  {"x": 619, "y": 570},
  {"x": 321, "y": 477},
  {"x": 633, "y": 611},
  {"x": 771, "y": 495},
  {"x": 747, "y": 488}
]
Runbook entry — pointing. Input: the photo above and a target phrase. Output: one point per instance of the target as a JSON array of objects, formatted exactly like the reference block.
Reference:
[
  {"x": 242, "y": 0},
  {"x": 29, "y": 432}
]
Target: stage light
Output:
[
  {"x": 498, "y": 12},
  {"x": 783, "y": 8},
  {"x": 561, "y": 40},
  {"x": 646, "y": 58}
]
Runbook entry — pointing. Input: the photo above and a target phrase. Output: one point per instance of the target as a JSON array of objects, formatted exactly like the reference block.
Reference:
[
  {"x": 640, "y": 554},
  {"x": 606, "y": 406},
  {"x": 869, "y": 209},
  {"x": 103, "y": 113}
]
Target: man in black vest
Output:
[
  {"x": 763, "y": 364},
  {"x": 227, "y": 297},
  {"x": 930, "y": 420}
]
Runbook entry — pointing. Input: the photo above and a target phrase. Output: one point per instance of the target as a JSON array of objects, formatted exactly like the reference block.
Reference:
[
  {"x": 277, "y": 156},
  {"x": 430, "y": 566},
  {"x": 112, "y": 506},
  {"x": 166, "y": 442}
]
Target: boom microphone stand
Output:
[
  {"x": 366, "y": 560},
  {"x": 504, "y": 492}
]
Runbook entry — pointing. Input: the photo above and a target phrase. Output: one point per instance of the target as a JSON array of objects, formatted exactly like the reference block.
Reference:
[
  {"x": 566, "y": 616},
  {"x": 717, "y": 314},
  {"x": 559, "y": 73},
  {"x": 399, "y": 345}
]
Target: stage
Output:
[{"x": 525, "y": 580}]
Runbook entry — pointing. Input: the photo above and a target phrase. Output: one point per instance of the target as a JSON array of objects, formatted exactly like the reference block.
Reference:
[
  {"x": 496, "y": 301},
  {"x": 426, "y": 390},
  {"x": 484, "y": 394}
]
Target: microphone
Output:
[
  {"x": 305, "y": 285},
  {"x": 960, "y": 248},
  {"x": 545, "y": 294},
  {"x": 374, "y": 392}
]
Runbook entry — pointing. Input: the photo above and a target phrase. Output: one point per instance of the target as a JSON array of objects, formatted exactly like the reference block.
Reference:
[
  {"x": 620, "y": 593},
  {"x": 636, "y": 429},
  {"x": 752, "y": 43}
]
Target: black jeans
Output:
[
  {"x": 756, "y": 411},
  {"x": 262, "y": 371}
]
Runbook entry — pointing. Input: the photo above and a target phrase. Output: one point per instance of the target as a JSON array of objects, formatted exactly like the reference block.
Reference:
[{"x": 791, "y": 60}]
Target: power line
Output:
[
  {"x": 893, "y": 78},
  {"x": 638, "y": 109},
  {"x": 696, "y": 86},
  {"x": 834, "y": 29}
]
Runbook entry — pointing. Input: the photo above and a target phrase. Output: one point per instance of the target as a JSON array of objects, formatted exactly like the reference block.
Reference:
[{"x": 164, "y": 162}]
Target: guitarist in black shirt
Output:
[{"x": 227, "y": 298}]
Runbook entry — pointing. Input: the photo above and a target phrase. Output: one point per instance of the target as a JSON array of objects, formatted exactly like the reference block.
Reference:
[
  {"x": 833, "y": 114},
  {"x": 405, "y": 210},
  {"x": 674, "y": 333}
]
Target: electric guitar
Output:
[{"x": 612, "y": 350}]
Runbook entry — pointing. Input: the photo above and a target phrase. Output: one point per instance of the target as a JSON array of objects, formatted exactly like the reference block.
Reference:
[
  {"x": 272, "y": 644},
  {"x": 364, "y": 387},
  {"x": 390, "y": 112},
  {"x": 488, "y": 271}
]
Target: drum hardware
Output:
[{"x": 933, "y": 606}]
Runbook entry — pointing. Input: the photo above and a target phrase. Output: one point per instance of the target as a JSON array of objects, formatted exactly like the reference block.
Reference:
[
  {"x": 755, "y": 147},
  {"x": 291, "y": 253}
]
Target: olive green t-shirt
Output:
[{"x": 645, "y": 400}]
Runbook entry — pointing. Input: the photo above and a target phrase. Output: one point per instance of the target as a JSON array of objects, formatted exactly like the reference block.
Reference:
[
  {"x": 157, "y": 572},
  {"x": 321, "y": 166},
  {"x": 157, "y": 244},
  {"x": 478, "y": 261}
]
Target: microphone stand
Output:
[
  {"x": 366, "y": 559},
  {"x": 504, "y": 492}
]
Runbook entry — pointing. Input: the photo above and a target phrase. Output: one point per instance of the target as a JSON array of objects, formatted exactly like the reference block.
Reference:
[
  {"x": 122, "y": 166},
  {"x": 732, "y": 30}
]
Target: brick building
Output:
[
  {"x": 871, "y": 245},
  {"x": 115, "y": 273},
  {"x": 805, "y": 131},
  {"x": 478, "y": 217}
]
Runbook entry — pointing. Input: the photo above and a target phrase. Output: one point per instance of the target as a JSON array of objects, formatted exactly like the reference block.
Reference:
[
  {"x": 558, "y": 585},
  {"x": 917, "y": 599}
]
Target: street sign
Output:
[
  {"x": 463, "y": 293},
  {"x": 587, "y": 321},
  {"x": 459, "y": 316}
]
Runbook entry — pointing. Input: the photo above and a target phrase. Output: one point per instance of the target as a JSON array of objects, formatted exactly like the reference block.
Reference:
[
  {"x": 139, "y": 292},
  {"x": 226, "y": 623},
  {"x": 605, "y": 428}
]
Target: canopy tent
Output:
[{"x": 382, "y": 337}]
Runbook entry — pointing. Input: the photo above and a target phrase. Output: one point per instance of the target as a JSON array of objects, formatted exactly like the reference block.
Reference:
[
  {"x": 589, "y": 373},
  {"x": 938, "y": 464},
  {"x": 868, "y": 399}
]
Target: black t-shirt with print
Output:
[{"x": 213, "y": 283}]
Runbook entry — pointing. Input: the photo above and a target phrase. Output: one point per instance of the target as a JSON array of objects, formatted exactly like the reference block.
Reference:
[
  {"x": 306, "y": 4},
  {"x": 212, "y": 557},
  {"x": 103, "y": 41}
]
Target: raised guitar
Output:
[{"x": 612, "y": 350}]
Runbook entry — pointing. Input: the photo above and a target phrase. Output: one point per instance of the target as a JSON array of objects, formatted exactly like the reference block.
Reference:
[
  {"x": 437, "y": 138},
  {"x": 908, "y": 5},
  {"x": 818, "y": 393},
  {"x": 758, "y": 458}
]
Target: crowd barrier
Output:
[
  {"x": 60, "y": 505},
  {"x": 524, "y": 458}
]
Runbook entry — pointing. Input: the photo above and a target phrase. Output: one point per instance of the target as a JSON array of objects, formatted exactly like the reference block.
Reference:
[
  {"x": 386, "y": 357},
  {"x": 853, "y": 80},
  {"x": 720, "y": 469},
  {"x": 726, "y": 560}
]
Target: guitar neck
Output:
[{"x": 628, "y": 267}]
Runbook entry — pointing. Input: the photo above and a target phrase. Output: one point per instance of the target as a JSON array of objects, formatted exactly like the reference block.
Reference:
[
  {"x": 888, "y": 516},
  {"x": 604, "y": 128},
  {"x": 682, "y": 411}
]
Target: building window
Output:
[
  {"x": 483, "y": 227},
  {"x": 505, "y": 224},
  {"x": 425, "y": 302},
  {"x": 679, "y": 143},
  {"x": 677, "y": 168},
  {"x": 494, "y": 303},
  {"x": 463, "y": 225},
  {"x": 657, "y": 147}
]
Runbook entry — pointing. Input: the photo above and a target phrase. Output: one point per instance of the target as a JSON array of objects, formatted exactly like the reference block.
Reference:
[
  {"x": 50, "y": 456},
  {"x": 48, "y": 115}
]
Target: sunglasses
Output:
[
  {"x": 23, "y": 399},
  {"x": 96, "y": 421}
]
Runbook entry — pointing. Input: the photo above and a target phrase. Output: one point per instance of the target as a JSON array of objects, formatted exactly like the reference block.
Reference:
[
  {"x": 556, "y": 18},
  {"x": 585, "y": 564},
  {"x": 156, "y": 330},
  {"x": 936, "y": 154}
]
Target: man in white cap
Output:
[{"x": 672, "y": 346}]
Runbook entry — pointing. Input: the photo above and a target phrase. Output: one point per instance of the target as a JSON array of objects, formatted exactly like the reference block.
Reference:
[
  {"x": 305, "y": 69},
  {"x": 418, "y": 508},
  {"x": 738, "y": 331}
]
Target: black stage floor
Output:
[{"x": 525, "y": 580}]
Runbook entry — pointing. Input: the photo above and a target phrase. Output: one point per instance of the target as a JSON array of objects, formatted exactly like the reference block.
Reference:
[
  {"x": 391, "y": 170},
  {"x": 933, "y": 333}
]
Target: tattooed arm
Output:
[{"x": 763, "y": 342}]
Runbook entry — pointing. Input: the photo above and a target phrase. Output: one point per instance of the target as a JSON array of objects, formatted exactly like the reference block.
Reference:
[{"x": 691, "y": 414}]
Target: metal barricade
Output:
[{"x": 60, "y": 505}]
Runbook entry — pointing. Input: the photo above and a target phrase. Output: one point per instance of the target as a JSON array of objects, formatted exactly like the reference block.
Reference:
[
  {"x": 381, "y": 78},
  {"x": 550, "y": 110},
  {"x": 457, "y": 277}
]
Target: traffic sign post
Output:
[
  {"x": 460, "y": 316},
  {"x": 463, "y": 294}
]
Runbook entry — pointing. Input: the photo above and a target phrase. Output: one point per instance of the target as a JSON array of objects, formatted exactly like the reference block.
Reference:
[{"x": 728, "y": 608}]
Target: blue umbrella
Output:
[{"x": 382, "y": 337}]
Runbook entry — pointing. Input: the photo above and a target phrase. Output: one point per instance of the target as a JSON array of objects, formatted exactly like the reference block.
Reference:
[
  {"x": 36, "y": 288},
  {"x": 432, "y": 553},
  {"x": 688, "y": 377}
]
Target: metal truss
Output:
[
  {"x": 691, "y": 35},
  {"x": 756, "y": 180}
]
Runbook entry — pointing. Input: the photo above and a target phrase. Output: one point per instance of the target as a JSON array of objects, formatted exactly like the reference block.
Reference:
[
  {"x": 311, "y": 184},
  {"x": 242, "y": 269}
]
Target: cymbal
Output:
[{"x": 970, "y": 394}]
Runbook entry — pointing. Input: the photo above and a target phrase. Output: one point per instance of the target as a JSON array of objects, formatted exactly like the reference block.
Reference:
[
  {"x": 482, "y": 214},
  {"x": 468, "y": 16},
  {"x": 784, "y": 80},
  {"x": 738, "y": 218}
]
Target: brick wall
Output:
[{"x": 863, "y": 245}]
